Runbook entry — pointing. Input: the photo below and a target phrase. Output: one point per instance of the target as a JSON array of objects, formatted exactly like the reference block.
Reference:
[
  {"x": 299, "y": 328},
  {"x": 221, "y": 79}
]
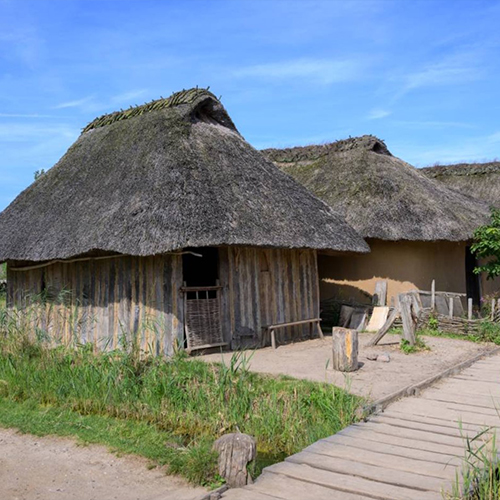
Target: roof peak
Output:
[
  {"x": 314, "y": 152},
  {"x": 176, "y": 99}
]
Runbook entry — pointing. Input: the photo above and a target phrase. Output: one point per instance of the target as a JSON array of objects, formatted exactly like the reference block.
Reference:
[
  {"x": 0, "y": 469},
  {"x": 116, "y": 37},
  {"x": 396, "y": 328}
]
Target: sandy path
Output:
[
  {"x": 374, "y": 379},
  {"x": 52, "y": 468}
]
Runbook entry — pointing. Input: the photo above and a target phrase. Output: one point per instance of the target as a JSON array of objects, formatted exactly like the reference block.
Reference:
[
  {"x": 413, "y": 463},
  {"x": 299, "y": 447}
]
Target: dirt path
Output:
[
  {"x": 52, "y": 468},
  {"x": 374, "y": 379}
]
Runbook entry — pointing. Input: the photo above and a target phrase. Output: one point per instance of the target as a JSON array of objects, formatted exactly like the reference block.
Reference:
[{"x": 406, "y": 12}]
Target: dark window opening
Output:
[
  {"x": 200, "y": 271},
  {"x": 472, "y": 280}
]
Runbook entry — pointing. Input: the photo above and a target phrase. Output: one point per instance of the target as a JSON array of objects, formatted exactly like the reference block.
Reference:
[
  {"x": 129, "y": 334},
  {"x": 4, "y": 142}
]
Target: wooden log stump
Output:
[
  {"x": 235, "y": 450},
  {"x": 345, "y": 349}
]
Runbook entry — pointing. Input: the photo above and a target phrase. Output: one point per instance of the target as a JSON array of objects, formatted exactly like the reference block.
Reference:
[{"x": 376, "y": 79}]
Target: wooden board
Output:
[{"x": 377, "y": 319}]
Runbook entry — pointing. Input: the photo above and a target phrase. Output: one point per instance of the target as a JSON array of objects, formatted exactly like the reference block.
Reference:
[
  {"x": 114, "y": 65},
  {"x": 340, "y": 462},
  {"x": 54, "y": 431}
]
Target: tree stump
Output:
[
  {"x": 345, "y": 349},
  {"x": 235, "y": 450}
]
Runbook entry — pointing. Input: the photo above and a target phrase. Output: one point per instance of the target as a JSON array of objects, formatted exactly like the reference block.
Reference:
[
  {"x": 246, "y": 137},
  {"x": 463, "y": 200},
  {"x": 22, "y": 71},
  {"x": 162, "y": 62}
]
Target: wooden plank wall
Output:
[
  {"x": 105, "y": 302},
  {"x": 108, "y": 301},
  {"x": 267, "y": 286}
]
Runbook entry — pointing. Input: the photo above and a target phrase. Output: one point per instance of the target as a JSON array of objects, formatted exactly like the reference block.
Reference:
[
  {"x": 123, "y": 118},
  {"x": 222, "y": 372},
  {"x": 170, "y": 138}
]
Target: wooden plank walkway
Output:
[{"x": 411, "y": 451}]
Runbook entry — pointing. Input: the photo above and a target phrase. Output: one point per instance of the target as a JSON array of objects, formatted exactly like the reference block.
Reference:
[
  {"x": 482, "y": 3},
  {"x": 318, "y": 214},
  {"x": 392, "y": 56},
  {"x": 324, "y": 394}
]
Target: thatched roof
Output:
[
  {"x": 481, "y": 180},
  {"x": 162, "y": 177},
  {"x": 380, "y": 195}
]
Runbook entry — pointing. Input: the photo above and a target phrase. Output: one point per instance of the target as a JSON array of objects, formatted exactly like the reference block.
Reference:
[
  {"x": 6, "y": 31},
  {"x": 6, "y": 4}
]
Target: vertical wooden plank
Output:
[
  {"x": 224, "y": 294},
  {"x": 168, "y": 306},
  {"x": 257, "y": 321},
  {"x": 159, "y": 316},
  {"x": 450, "y": 307},
  {"x": 230, "y": 289},
  {"x": 433, "y": 295},
  {"x": 111, "y": 294},
  {"x": 237, "y": 276},
  {"x": 469, "y": 309},
  {"x": 315, "y": 313},
  {"x": 178, "y": 299}
]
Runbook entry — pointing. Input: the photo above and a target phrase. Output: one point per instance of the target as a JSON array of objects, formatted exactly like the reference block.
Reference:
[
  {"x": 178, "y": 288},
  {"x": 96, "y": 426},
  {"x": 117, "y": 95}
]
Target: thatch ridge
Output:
[
  {"x": 461, "y": 169},
  {"x": 481, "y": 180},
  {"x": 316, "y": 151},
  {"x": 180, "y": 176},
  {"x": 380, "y": 195},
  {"x": 176, "y": 99}
]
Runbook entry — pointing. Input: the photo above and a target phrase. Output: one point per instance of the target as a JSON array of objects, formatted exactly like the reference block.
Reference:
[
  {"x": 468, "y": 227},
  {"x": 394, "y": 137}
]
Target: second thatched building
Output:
[{"x": 418, "y": 229}]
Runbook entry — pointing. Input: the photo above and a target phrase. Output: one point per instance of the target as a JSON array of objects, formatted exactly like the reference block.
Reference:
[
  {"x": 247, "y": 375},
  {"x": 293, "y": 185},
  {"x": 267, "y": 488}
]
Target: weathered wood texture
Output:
[
  {"x": 345, "y": 349},
  {"x": 106, "y": 302},
  {"x": 408, "y": 317},
  {"x": 380, "y": 294},
  {"x": 236, "y": 451},
  {"x": 125, "y": 298},
  {"x": 265, "y": 287},
  {"x": 412, "y": 451}
]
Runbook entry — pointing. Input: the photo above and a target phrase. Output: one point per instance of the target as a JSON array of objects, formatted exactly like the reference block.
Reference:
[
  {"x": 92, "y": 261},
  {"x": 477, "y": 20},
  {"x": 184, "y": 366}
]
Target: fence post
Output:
[
  {"x": 451, "y": 307},
  {"x": 433, "y": 295},
  {"x": 492, "y": 309},
  {"x": 469, "y": 309}
]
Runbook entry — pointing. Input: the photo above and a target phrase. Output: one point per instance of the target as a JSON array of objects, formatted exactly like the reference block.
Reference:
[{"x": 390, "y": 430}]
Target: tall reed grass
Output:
[{"x": 193, "y": 402}]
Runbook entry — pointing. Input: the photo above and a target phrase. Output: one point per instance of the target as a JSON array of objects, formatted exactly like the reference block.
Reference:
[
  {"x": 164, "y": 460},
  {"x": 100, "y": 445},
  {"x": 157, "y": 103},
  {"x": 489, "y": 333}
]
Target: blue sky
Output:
[{"x": 422, "y": 75}]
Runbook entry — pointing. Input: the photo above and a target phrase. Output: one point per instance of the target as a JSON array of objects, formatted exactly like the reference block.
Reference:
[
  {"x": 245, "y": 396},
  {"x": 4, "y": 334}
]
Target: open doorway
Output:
[
  {"x": 472, "y": 280},
  {"x": 202, "y": 298}
]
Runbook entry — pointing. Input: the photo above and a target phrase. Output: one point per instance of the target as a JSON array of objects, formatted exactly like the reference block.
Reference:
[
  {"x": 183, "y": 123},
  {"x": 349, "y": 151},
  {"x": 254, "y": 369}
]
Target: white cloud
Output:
[
  {"x": 321, "y": 71},
  {"x": 378, "y": 113},
  {"x": 75, "y": 104},
  {"x": 454, "y": 70}
]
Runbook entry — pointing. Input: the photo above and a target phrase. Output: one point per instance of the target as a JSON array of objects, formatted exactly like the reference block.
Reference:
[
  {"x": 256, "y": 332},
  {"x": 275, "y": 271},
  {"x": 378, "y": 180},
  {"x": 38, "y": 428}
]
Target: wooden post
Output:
[
  {"x": 320, "y": 331},
  {"x": 345, "y": 349},
  {"x": 433, "y": 295},
  {"x": 407, "y": 318},
  {"x": 469, "y": 309},
  {"x": 492, "y": 309},
  {"x": 380, "y": 294},
  {"x": 273, "y": 338},
  {"x": 451, "y": 307}
]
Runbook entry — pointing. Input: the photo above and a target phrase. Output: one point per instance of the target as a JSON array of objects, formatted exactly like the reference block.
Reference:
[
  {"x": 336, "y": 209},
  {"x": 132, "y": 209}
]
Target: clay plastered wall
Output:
[
  {"x": 405, "y": 265},
  {"x": 490, "y": 288}
]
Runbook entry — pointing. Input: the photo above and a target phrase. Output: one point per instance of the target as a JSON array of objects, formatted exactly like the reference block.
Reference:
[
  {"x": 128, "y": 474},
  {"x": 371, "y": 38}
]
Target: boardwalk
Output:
[{"x": 410, "y": 451}]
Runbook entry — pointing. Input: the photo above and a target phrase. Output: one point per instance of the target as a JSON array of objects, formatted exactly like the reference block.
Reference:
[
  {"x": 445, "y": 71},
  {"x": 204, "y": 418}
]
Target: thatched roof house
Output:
[
  {"x": 164, "y": 215},
  {"x": 417, "y": 228},
  {"x": 481, "y": 180}
]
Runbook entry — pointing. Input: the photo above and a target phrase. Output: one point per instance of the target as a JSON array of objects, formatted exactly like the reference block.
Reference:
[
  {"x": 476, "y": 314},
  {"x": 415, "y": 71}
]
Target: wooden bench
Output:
[{"x": 313, "y": 321}]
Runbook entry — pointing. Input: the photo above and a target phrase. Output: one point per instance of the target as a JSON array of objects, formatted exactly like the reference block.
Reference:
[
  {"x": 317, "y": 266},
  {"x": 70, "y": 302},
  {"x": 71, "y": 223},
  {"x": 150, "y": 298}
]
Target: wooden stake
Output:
[
  {"x": 407, "y": 318},
  {"x": 469, "y": 309},
  {"x": 451, "y": 307},
  {"x": 433, "y": 295},
  {"x": 492, "y": 309}
]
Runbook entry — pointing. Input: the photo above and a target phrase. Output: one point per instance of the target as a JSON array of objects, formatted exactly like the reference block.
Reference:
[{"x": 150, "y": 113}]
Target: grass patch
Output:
[
  {"x": 480, "y": 477},
  {"x": 419, "y": 345},
  {"x": 168, "y": 410}
]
